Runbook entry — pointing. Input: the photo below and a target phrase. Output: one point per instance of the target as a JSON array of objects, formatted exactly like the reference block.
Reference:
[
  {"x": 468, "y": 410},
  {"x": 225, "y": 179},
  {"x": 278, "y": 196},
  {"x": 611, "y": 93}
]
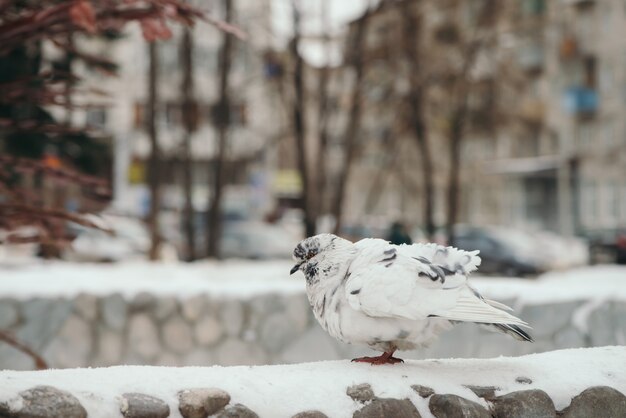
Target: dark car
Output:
[{"x": 500, "y": 254}]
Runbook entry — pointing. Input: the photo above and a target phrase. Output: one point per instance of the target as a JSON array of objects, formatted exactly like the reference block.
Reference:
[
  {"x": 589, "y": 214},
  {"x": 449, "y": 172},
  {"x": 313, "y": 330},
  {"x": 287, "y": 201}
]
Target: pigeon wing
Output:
[{"x": 417, "y": 282}]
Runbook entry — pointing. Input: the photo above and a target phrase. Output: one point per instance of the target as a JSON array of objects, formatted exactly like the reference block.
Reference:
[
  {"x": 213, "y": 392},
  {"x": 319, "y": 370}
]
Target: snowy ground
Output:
[
  {"x": 281, "y": 391},
  {"x": 245, "y": 279}
]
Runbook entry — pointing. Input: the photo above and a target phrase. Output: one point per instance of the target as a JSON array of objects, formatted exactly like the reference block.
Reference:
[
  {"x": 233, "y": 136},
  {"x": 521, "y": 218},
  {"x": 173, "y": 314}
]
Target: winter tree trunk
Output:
[
  {"x": 412, "y": 28},
  {"x": 154, "y": 162},
  {"x": 299, "y": 128},
  {"x": 189, "y": 114},
  {"x": 354, "y": 122},
  {"x": 222, "y": 120},
  {"x": 323, "y": 114}
]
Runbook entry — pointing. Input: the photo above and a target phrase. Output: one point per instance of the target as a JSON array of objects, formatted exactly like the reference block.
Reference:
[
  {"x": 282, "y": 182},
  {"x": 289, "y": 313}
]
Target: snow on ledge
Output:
[
  {"x": 285, "y": 390},
  {"x": 246, "y": 279}
]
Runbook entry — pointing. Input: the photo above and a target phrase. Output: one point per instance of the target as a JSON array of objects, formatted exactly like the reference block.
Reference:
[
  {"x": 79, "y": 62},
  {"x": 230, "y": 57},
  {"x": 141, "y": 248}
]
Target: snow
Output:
[
  {"x": 245, "y": 279},
  {"x": 284, "y": 390}
]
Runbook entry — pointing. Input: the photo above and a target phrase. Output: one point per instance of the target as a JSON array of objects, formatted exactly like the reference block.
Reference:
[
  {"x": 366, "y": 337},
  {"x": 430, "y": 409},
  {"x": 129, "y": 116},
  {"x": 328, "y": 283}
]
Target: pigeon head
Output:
[{"x": 314, "y": 251}]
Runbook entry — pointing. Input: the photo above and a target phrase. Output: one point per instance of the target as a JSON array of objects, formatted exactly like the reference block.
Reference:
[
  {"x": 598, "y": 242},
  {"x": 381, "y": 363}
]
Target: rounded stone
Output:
[
  {"x": 276, "y": 332},
  {"x": 444, "y": 406},
  {"x": 423, "y": 391},
  {"x": 143, "y": 336},
  {"x": 310, "y": 414},
  {"x": 194, "y": 307},
  {"x": 114, "y": 309},
  {"x": 165, "y": 307},
  {"x": 200, "y": 403},
  {"x": 47, "y": 401},
  {"x": 72, "y": 345},
  {"x": 139, "y": 405},
  {"x": 360, "y": 393},
  {"x": 298, "y": 311},
  {"x": 237, "y": 411},
  {"x": 177, "y": 335},
  {"x": 233, "y": 352},
  {"x": 9, "y": 315},
  {"x": 142, "y": 301},
  {"x": 524, "y": 404},
  {"x": 86, "y": 306},
  {"x": 384, "y": 407},
  {"x": 208, "y": 331},
  {"x": 232, "y": 315},
  {"x": 598, "y": 401},
  {"x": 109, "y": 348}
]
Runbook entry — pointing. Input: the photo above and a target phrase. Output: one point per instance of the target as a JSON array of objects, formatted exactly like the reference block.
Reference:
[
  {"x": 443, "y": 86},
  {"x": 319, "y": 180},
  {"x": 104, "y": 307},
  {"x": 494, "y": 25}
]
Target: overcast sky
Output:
[{"x": 339, "y": 13}]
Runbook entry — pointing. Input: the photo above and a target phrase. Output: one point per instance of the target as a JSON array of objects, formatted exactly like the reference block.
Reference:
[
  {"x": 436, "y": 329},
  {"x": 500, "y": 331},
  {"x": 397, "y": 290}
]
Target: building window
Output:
[{"x": 96, "y": 118}]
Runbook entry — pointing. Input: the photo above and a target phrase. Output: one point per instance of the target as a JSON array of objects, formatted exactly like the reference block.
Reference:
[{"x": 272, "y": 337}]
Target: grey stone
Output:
[
  {"x": 486, "y": 392},
  {"x": 177, "y": 335},
  {"x": 208, "y": 331},
  {"x": 619, "y": 322},
  {"x": 41, "y": 321},
  {"x": 113, "y": 309},
  {"x": 194, "y": 307},
  {"x": 109, "y": 348},
  {"x": 200, "y": 403},
  {"x": 600, "y": 326},
  {"x": 569, "y": 338},
  {"x": 143, "y": 336},
  {"x": 165, "y": 307},
  {"x": 298, "y": 310},
  {"x": 232, "y": 315},
  {"x": 524, "y": 380},
  {"x": 385, "y": 407},
  {"x": 13, "y": 359},
  {"x": 142, "y": 301},
  {"x": 199, "y": 357},
  {"x": 559, "y": 315},
  {"x": 524, "y": 404},
  {"x": 234, "y": 352},
  {"x": 237, "y": 411},
  {"x": 72, "y": 345},
  {"x": 45, "y": 401},
  {"x": 314, "y": 344},
  {"x": 452, "y": 406},
  {"x": 360, "y": 393},
  {"x": 8, "y": 314},
  {"x": 310, "y": 414},
  {"x": 140, "y": 405},
  {"x": 167, "y": 360},
  {"x": 86, "y": 306},
  {"x": 276, "y": 332},
  {"x": 423, "y": 391},
  {"x": 597, "y": 402}
]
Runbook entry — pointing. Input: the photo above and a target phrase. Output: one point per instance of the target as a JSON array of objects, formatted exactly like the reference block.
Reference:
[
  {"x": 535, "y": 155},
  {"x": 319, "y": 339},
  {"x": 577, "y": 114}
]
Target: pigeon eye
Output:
[{"x": 310, "y": 255}]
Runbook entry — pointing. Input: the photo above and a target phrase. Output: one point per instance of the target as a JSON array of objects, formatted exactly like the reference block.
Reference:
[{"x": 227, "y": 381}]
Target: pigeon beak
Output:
[{"x": 295, "y": 268}]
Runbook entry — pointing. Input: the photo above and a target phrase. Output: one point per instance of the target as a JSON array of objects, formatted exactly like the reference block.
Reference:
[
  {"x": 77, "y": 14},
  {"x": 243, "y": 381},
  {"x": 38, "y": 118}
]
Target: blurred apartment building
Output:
[
  {"x": 255, "y": 115},
  {"x": 557, "y": 162}
]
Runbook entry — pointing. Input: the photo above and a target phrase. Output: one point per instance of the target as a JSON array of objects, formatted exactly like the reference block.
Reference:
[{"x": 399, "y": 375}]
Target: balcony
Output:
[{"x": 581, "y": 101}]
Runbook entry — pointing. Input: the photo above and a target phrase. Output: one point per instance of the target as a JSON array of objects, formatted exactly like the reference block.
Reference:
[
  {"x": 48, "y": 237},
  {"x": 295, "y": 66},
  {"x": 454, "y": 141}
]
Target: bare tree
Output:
[
  {"x": 189, "y": 112},
  {"x": 323, "y": 112},
  {"x": 416, "y": 100},
  {"x": 354, "y": 119},
  {"x": 222, "y": 121},
  {"x": 299, "y": 125},
  {"x": 154, "y": 172}
]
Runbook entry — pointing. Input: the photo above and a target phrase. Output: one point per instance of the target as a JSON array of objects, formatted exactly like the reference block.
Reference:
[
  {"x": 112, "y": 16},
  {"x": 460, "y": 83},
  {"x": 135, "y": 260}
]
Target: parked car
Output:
[
  {"x": 508, "y": 253},
  {"x": 256, "y": 240},
  {"x": 129, "y": 239}
]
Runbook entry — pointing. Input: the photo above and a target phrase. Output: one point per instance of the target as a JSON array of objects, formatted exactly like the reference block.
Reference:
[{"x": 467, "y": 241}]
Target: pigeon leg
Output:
[{"x": 385, "y": 358}]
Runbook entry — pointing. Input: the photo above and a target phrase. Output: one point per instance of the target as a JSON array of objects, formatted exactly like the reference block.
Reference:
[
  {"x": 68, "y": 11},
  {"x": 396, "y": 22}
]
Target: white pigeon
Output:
[{"x": 394, "y": 297}]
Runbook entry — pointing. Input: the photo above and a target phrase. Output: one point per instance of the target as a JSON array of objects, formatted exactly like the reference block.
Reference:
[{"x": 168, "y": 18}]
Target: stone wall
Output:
[
  {"x": 600, "y": 401},
  {"x": 267, "y": 329}
]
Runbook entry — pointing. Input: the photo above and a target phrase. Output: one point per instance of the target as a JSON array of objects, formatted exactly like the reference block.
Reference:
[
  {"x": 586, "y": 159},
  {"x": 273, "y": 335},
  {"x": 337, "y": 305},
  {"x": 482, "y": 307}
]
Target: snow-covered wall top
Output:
[
  {"x": 246, "y": 279},
  {"x": 577, "y": 383}
]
